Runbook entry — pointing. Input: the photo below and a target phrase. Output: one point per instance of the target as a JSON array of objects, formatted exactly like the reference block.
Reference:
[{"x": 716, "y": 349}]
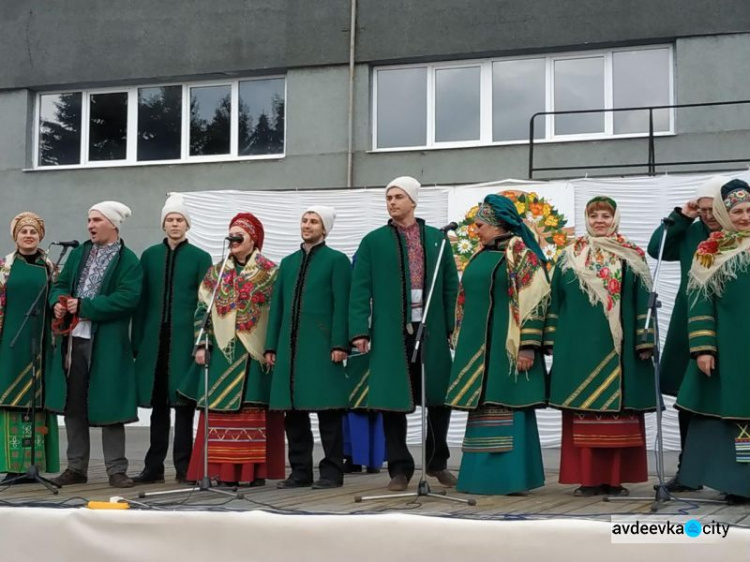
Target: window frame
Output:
[
  {"x": 132, "y": 126},
  {"x": 486, "y": 100}
]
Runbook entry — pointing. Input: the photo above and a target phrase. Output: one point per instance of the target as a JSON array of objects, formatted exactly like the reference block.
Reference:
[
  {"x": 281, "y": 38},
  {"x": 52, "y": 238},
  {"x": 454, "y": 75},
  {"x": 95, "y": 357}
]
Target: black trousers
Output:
[
  {"x": 300, "y": 441},
  {"x": 160, "y": 422},
  {"x": 683, "y": 418},
  {"x": 400, "y": 460}
]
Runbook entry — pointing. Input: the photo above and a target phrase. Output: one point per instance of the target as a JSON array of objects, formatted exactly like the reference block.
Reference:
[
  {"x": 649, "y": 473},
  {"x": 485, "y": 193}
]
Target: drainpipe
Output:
[{"x": 350, "y": 121}]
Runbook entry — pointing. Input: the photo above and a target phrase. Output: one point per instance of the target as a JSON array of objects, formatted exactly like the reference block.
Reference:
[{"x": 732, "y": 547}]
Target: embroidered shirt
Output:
[
  {"x": 90, "y": 282},
  {"x": 412, "y": 235}
]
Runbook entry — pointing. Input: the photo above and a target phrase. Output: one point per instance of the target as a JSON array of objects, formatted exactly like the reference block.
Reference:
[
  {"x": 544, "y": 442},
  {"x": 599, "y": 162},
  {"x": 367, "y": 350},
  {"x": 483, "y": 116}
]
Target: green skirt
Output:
[
  {"x": 15, "y": 453},
  {"x": 501, "y": 452},
  {"x": 711, "y": 456}
]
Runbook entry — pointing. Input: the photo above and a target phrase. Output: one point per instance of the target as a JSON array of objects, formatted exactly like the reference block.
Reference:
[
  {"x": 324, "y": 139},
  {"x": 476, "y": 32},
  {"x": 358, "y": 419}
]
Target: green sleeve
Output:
[
  {"x": 122, "y": 302},
  {"x": 64, "y": 283},
  {"x": 200, "y": 311},
  {"x": 276, "y": 313},
  {"x": 532, "y": 330},
  {"x": 139, "y": 318},
  {"x": 553, "y": 311},
  {"x": 204, "y": 264},
  {"x": 675, "y": 237},
  {"x": 701, "y": 324},
  {"x": 342, "y": 279},
  {"x": 450, "y": 287},
  {"x": 361, "y": 293},
  {"x": 641, "y": 311}
]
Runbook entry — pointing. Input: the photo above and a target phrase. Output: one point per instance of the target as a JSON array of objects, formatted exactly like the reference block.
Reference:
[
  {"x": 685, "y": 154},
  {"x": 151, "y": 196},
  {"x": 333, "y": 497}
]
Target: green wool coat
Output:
[
  {"x": 112, "y": 386},
  {"x": 682, "y": 240},
  {"x": 381, "y": 289},
  {"x": 587, "y": 373},
  {"x": 184, "y": 267},
  {"x": 481, "y": 367},
  {"x": 717, "y": 326},
  {"x": 308, "y": 320}
]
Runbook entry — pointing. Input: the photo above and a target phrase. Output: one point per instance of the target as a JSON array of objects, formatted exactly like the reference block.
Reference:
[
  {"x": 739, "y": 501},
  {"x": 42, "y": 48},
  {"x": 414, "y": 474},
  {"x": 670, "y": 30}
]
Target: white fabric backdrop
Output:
[{"x": 643, "y": 201}]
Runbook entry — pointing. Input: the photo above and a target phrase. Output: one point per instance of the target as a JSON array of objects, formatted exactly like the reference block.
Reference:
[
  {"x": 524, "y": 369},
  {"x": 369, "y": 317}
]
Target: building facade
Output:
[{"x": 131, "y": 101}]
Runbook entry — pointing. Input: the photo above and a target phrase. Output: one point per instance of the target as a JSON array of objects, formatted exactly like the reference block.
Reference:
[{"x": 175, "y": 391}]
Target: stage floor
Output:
[{"x": 551, "y": 501}]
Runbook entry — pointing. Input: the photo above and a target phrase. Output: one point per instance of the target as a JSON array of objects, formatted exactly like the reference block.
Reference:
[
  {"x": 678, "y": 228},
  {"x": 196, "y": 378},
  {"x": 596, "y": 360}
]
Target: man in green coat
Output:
[
  {"x": 391, "y": 280},
  {"x": 92, "y": 380},
  {"x": 683, "y": 236},
  {"x": 307, "y": 343},
  {"x": 163, "y": 338}
]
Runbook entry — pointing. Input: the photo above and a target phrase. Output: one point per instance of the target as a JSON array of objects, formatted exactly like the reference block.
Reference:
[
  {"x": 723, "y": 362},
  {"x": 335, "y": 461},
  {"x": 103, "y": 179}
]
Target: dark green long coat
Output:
[
  {"x": 381, "y": 276},
  {"x": 587, "y": 373},
  {"x": 682, "y": 240},
  {"x": 112, "y": 387},
  {"x": 183, "y": 268},
  {"x": 308, "y": 321}
]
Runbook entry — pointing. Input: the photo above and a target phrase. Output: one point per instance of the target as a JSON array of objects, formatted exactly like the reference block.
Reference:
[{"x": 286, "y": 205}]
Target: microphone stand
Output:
[
  {"x": 423, "y": 487},
  {"x": 663, "y": 495},
  {"x": 203, "y": 340},
  {"x": 33, "y": 472}
]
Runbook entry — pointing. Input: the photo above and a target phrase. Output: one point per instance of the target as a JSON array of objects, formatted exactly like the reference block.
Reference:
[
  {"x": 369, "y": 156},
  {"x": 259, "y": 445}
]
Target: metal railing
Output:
[{"x": 651, "y": 163}]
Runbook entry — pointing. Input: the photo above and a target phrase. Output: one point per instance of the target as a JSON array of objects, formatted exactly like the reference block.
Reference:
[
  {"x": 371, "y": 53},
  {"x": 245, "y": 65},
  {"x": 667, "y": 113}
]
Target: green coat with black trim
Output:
[
  {"x": 717, "y": 326},
  {"x": 112, "y": 386},
  {"x": 171, "y": 279},
  {"x": 682, "y": 240},
  {"x": 308, "y": 320},
  {"x": 381, "y": 289},
  {"x": 587, "y": 373}
]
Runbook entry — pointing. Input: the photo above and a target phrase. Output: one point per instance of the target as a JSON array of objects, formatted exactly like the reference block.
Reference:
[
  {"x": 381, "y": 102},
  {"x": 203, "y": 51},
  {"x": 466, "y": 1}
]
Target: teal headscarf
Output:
[{"x": 497, "y": 210}]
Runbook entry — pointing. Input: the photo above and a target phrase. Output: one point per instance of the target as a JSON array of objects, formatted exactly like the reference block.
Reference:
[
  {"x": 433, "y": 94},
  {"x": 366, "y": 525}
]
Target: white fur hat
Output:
[
  {"x": 175, "y": 204},
  {"x": 711, "y": 187},
  {"x": 408, "y": 184},
  {"x": 114, "y": 211},
  {"x": 326, "y": 214}
]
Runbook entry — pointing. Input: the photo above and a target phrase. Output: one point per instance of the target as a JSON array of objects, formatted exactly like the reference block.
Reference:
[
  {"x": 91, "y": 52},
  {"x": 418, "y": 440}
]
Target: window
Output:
[
  {"x": 491, "y": 101},
  {"x": 241, "y": 119}
]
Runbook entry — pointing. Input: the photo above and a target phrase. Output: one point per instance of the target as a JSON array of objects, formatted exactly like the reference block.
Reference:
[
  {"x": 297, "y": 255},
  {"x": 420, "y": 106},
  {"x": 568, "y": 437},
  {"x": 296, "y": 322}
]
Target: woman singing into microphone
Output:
[{"x": 245, "y": 442}]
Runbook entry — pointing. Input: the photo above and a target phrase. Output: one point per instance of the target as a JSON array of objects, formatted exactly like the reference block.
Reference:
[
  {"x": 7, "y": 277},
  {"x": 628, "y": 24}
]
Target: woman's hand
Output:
[
  {"x": 646, "y": 354},
  {"x": 338, "y": 356},
  {"x": 362, "y": 345},
  {"x": 200, "y": 356},
  {"x": 706, "y": 363},
  {"x": 525, "y": 359},
  {"x": 270, "y": 357}
]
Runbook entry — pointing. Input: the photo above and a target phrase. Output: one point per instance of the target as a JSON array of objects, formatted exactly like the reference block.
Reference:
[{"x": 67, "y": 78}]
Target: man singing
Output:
[
  {"x": 392, "y": 273},
  {"x": 163, "y": 338},
  {"x": 307, "y": 344},
  {"x": 92, "y": 380}
]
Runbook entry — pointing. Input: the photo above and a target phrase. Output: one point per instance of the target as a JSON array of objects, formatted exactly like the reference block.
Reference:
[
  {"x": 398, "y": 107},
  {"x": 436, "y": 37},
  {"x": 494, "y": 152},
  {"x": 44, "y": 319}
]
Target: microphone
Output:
[
  {"x": 449, "y": 226},
  {"x": 68, "y": 244},
  {"x": 234, "y": 238}
]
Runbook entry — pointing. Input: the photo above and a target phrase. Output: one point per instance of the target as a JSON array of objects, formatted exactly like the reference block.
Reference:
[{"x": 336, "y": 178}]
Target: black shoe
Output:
[
  {"x": 292, "y": 483},
  {"x": 350, "y": 467},
  {"x": 674, "y": 485},
  {"x": 15, "y": 478},
  {"x": 614, "y": 491},
  {"x": 182, "y": 478},
  {"x": 373, "y": 470},
  {"x": 70, "y": 477},
  {"x": 587, "y": 491},
  {"x": 257, "y": 483},
  {"x": 734, "y": 499},
  {"x": 398, "y": 483},
  {"x": 326, "y": 484},
  {"x": 149, "y": 477}
]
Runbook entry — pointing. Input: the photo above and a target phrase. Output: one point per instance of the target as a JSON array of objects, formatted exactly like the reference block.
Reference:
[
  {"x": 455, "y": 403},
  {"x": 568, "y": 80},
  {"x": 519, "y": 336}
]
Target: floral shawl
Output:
[
  {"x": 528, "y": 294},
  {"x": 242, "y": 304},
  {"x": 597, "y": 263}
]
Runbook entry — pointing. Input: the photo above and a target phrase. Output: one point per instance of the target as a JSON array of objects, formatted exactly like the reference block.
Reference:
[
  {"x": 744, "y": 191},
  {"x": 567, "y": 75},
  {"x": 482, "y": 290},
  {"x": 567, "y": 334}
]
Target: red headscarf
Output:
[{"x": 250, "y": 224}]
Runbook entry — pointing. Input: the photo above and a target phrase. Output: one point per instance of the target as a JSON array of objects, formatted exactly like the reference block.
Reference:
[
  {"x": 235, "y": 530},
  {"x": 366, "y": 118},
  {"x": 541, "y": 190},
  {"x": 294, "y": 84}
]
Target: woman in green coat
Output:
[
  {"x": 716, "y": 389},
  {"x": 498, "y": 372},
  {"x": 602, "y": 377},
  {"x": 23, "y": 274}
]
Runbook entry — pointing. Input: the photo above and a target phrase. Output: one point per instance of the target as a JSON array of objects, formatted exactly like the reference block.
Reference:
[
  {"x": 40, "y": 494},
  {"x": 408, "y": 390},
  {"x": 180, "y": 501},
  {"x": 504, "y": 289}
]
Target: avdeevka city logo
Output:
[{"x": 693, "y": 528}]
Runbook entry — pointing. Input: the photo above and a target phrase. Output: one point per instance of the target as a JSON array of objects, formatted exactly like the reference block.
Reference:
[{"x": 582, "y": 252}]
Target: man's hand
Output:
[
  {"x": 646, "y": 354},
  {"x": 691, "y": 209},
  {"x": 60, "y": 310},
  {"x": 362, "y": 345},
  {"x": 706, "y": 363},
  {"x": 270, "y": 358},
  {"x": 525, "y": 359},
  {"x": 200, "y": 356},
  {"x": 72, "y": 305},
  {"x": 338, "y": 356}
]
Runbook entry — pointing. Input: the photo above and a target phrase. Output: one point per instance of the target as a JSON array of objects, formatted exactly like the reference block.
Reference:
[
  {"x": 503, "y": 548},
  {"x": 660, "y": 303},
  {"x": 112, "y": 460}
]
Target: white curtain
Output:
[{"x": 643, "y": 201}]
